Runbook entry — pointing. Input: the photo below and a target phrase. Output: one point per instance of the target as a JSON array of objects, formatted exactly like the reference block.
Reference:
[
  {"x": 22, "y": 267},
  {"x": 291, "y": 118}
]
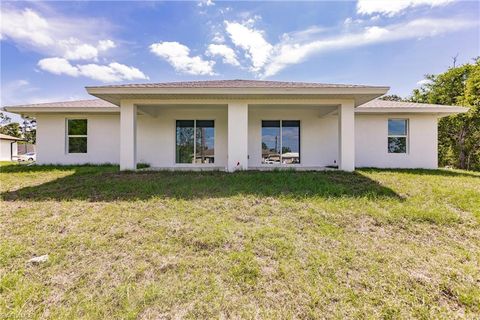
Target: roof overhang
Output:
[
  {"x": 441, "y": 110},
  {"x": 32, "y": 111},
  {"x": 114, "y": 95},
  {"x": 11, "y": 139}
]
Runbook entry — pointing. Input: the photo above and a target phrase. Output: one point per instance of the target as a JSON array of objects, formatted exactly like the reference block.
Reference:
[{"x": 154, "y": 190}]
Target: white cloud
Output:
[
  {"x": 394, "y": 7},
  {"x": 252, "y": 41},
  {"x": 58, "y": 66},
  {"x": 225, "y": 52},
  {"x": 78, "y": 51},
  {"x": 27, "y": 26},
  {"x": 178, "y": 55},
  {"x": 104, "y": 45},
  {"x": 126, "y": 72},
  {"x": 112, "y": 72},
  {"x": 218, "y": 38},
  {"x": 68, "y": 37},
  {"x": 290, "y": 51},
  {"x": 206, "y": 3}
]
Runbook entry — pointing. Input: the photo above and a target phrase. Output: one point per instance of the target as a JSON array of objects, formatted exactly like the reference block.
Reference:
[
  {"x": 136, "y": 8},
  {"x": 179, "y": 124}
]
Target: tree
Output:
[
  {"x": 392, "y": 97},
  {"x": 12, "y": 129},
  {"x": 29, "y": 130},
  {"x": 30, "y": 136},
  {"x": 458, "y": 135},
  {"x": 26, "y": 130}
]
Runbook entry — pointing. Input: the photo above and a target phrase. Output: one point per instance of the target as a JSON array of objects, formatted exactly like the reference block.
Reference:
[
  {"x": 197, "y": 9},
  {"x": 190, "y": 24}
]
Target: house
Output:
[
  {"x": 238, "y": 125},
  {"x": 8, "y": 147}
]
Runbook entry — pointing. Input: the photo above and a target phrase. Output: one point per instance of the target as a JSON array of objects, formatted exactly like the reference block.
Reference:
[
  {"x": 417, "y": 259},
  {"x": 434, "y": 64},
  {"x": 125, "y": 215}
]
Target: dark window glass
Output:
[
  {"x": 77, "y": 145},
  {"x": 184, "y": 141},
  {"x": 185, "y": 123},
  {"x": 397, "y": 144},
  {"x": 397, "y": 127},
  {"x": 271, "y": 142},
  {"x": 271, "y": 124},
  {"x": 290, "y": 142},
  {"x": 205, "y": 142},
  {"x": 77, "y": 127},
  {"x": 205, "y": 123}
]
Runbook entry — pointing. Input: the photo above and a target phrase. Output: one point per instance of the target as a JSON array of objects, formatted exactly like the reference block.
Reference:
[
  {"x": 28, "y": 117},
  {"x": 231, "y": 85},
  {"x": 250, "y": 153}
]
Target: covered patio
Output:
[{"x": 320, "y": 118}]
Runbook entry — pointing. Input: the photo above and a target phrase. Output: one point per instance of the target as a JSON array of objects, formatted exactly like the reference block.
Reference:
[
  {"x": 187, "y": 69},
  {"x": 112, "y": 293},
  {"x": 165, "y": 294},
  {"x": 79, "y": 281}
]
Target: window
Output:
[
  {"x": 397, "y": 135},
  {"x": 280, "y": 142},
  {"x": 195, "y": 141},
  {"x": 77, "y": 135}
]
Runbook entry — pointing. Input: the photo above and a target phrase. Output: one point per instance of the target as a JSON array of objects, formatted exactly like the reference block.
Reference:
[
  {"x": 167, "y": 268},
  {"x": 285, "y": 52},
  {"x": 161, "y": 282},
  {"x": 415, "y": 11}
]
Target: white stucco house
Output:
[
  {"x": 238, "y": 125},
  {"x": 8, "y": 147}
]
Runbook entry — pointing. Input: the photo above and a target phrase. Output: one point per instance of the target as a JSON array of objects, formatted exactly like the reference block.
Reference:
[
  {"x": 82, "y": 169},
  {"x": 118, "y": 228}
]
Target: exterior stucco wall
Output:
[
  {"x": 6, "y": 153},
  {"x": 103, "y": 139},
  {"x": 318, "y": 138},
  {"x": 371, "y": 134},
  {"x": 318, "y": 135},
  {"x": 156, "y": 136}
]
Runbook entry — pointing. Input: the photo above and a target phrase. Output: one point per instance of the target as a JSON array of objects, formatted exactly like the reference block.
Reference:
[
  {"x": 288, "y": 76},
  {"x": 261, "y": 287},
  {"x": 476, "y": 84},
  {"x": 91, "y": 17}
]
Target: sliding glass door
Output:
[
  {"x": 195, "y": 141},
  {"x": 280, "y": 142}
]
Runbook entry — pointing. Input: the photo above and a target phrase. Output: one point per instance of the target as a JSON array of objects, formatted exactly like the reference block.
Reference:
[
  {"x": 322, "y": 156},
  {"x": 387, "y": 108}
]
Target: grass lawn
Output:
[{"x": 154, "y": 245}]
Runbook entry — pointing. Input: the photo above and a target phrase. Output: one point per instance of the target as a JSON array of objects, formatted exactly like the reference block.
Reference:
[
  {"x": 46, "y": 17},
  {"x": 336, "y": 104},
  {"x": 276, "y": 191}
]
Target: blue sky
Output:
[{"x": 51, "y": 50}]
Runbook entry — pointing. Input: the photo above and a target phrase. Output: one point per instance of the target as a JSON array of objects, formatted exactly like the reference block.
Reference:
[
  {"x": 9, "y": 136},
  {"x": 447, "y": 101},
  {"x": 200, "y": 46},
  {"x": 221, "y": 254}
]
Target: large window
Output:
[
  {"x": 280, "y": 142},
  {"x": 397, "y": 135},
  {"x": 195, "y": 141},
  {"x": 77, "y": 135}
]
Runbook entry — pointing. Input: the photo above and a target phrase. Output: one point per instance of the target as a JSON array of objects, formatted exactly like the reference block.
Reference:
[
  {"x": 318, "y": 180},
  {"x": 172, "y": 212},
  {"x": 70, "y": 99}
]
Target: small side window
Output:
[
  {"x": 77, "y": 135},
  {"x": 397, "y": 135}
]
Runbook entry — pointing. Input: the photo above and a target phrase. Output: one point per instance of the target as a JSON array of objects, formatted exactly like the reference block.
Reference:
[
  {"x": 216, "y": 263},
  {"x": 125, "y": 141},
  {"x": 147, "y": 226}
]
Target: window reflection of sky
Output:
[
  {"x": 397, "y": 127},
  {"x": 290, "y": 139}
]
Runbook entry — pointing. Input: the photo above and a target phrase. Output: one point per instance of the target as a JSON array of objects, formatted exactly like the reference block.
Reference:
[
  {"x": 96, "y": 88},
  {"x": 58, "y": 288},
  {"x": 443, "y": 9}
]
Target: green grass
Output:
[{"x": 371, "y": 244}]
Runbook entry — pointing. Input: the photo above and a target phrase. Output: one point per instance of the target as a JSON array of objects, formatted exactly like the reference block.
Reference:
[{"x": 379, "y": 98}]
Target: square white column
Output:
[
  {"x": 346, "y": 136},
  {"x": 128, "y": 136},
  {"x": 237, "y": 158}
]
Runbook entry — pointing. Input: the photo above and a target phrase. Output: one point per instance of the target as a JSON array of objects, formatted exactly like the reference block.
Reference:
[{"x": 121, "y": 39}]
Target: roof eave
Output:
[
  {"x": 115, "y": 95},
  {"x": 443, "y": 111},
  {"x": 33, "y": 110},
  {"x": 329, "y": 90}
]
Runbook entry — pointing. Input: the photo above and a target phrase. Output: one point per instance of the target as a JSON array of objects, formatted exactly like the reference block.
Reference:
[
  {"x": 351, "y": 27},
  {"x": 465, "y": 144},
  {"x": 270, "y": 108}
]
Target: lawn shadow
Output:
[
  {"x": 106, "y": 183},
  {"x": 430, "y": 172}
]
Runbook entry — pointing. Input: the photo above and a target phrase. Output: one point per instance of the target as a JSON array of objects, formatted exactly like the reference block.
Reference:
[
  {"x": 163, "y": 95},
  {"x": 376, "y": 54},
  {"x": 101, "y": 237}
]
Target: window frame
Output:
[
  {"x": 195, "y": 142},
  {"x": 68, "y": 136},
  {"x": 281, "y": 143},
  {"x": 406, "y": 135}
]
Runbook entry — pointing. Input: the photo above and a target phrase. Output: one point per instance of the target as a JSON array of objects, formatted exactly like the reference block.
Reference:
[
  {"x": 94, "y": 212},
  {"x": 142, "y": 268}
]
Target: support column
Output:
[
  {"x": 346, "y": 136},
  {"x": 237, "y": 158},
  {"x": 128, "y": 136}
]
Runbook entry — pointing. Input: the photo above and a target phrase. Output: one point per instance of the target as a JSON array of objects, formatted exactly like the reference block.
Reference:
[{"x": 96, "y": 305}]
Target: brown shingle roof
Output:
[
  {"x": 379, "y": 103},
  {"x": 235, "y": 84},
  {"x": 91, "y": 103}
]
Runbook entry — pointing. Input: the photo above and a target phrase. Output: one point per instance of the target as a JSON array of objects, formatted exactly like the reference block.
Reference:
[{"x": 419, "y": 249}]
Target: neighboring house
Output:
[
  {"x": 238, "y": 124},
  {"x": 8, "y": 147}
]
